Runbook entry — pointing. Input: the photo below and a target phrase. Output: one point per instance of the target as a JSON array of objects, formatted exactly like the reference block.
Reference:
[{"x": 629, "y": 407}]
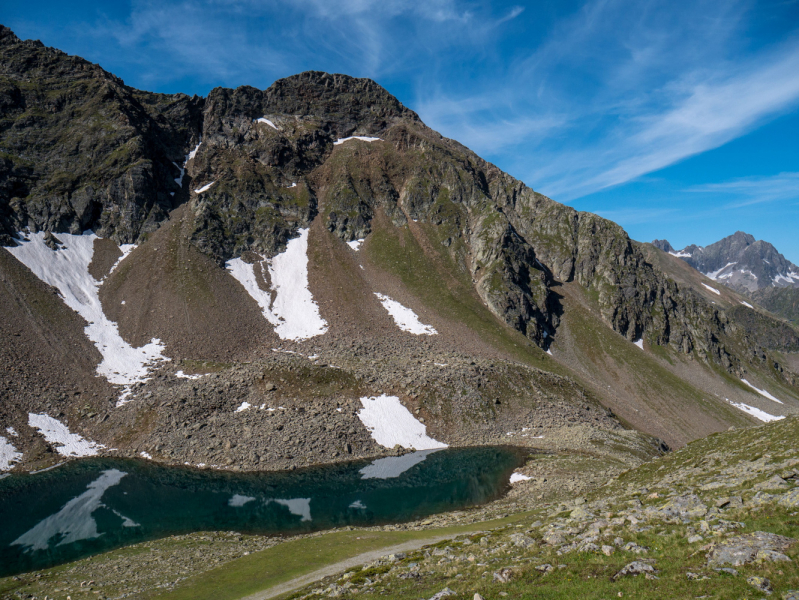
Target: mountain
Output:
[
  {"x": 752, "y": 267},
  {"x": 740, "y": 262},
  {"x": 264, "y": 279}
]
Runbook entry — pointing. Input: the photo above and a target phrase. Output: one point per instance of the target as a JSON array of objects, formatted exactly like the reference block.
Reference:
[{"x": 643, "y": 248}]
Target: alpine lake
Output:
[{"x": 93, "y": 505}]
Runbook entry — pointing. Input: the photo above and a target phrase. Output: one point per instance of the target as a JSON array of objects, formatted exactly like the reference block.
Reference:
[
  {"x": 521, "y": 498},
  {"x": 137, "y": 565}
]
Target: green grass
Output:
[{"x": 295, "y": 558}]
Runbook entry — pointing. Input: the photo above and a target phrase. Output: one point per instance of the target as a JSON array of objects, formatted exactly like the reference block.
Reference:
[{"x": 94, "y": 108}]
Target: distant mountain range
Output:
[
  {"x": 749, "y": 266},
  {"x": 739, "y": 261}
]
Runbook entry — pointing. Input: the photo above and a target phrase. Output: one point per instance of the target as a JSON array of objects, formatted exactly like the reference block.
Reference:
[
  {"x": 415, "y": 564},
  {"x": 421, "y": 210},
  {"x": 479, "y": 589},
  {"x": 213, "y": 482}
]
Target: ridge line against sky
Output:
[{"x": 677, "y": 119}]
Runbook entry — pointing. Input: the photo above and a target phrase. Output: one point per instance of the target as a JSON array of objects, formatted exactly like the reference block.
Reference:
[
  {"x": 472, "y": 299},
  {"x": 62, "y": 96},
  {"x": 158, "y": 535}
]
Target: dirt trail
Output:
[{"x": 298, "y": 582}]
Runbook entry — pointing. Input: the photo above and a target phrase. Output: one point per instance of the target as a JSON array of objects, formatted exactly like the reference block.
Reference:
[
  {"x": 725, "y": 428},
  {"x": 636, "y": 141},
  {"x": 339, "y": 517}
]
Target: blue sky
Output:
[{"x": 678, "y": 120}]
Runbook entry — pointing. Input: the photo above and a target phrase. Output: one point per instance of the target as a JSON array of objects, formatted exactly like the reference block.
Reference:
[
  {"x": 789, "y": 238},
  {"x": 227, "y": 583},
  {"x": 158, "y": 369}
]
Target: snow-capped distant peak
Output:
[{"x": 681, "y": 254}]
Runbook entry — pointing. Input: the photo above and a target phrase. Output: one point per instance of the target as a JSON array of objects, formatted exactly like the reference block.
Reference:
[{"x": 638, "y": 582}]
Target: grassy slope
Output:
[
  {"x": 295, "y": 558},
  {"x": 590, "y": 574}
]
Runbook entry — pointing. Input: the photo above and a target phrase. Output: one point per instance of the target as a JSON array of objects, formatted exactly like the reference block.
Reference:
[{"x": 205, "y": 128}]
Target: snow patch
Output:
[
  {"x": 363, "y": 138},
  {"x": 8, "y": 454},
  {"x": 268, "y": 122},
  {"x": 146, "y": 455},
  {"x": 355, "y": 244},
  {"x": 746, "y": 304},
  {"x": 74, "y": 522},
  {"x": 358, "y": 504},
  {"x": 181, "y": 375},
  {"x": 67, "y": 269},
  {"x": 126, "y": 249},
  {"x": 763, "y": 393},
  {"x": 404, "y": 317},
  {"x": 640, "y": 343},
  {"x": 390, "y": 423},
  {"x": 755, "y": 412},
  {"x": 193, "y": 153},
  {"x": 715, "y": 274},
  {"x": 204, "y": 188},
  {"x": 58, "y": 435},
  {"x": 238, "y": 500},
  {"x": 294, "y": 312},
  {"x": 12, "y": 431},
  {"x": 517, "y": 477},
  {"x": 714, "y": 290},
  {"x": 681, "y": 254},
  {"x": 244, "y": 406},
  {"x": 393, "y": 466}
]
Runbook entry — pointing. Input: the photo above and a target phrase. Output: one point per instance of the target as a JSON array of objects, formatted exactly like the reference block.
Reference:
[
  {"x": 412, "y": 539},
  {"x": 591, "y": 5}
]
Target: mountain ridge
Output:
[{"x": 333, "y": 180}]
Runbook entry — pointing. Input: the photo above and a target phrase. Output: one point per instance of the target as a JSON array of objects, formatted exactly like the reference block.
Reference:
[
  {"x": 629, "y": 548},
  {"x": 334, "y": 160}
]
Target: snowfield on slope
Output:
[
  {"x": 756, "y": 412},
  {"x": 404, "y": 317},
  {"x": 61, "y": 438},
  {"x": 294, "y": 312},
  {"x": 714, "y": 290},
  {"x": 763, "y": 393},
  {"x": 67, "y": 269},
  {"x": 363, "y": 138},
  {"x": 8, "y": 454},
  {"x": 390, "y": 423}
]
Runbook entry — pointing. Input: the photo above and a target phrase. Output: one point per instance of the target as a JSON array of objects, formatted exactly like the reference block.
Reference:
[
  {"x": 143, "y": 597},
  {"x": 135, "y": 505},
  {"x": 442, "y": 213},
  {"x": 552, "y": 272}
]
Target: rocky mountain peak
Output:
[
  {"x": 663, "y": 245},
  {"x": 739, "y": 261}
]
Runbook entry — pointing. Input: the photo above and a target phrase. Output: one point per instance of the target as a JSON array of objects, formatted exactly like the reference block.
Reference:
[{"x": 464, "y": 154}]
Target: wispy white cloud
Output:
[
  {"x": 622, "y": 89},
  {"x": 746, "y": 191}
]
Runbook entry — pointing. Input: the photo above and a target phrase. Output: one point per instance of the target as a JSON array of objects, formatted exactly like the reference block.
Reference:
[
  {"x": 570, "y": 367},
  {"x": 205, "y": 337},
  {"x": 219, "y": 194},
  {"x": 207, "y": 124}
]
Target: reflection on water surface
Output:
[{"x": 94, "y": 505}]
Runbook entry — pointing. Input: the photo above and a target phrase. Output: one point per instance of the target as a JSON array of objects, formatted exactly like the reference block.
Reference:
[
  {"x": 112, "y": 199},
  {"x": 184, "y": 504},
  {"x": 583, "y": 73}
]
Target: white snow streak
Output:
[
  {"x": 294, "y": 312},
  {"x": 146, "y": 455},
  {"x": 358, "y": 504},
  {"x": 8, "y": 454},
  {"x": 681, "y": 254},
  {"x": 74, "y": 522},
  {"x": 393, "y": 466},
  {"x": 640, "y": 343},
  {"x": 746, "y": 304},
  {"x": 126, "y": 249},
  {"x": 67, "y": 269},
  {"x": 58, "y": 435},
  {"x": 193, "y": 153},
  {"x": 714, "y": 290},
  {"x": 516, "y": 477},
  {"x": 204, "y": 188},
  {"x": 355, "y": 244},
  {"x": 180, "y": 374},
  {"x": 244, "y": 406},
  {"x": 755, "y": 412},
  {"x": 12, "y": 431},
  {"x": 268, "y": 122},
  {"x": 715, "y": 274},
  {"x": 404, "y": 317},
  {"x": 390, "y": 423},
  {"x": 763, "y": 393},
  {"x": 238, "y": 500},
  {"x": 363, "y": 138}
]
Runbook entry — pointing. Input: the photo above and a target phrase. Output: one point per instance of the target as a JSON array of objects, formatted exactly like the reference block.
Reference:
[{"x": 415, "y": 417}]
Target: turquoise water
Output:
[{"x": 90, "y": 506}]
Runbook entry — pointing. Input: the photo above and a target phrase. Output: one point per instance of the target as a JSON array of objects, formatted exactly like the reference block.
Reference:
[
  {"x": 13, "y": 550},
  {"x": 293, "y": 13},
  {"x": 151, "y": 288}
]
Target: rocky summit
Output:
[{"x": 272, "y": 279}]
